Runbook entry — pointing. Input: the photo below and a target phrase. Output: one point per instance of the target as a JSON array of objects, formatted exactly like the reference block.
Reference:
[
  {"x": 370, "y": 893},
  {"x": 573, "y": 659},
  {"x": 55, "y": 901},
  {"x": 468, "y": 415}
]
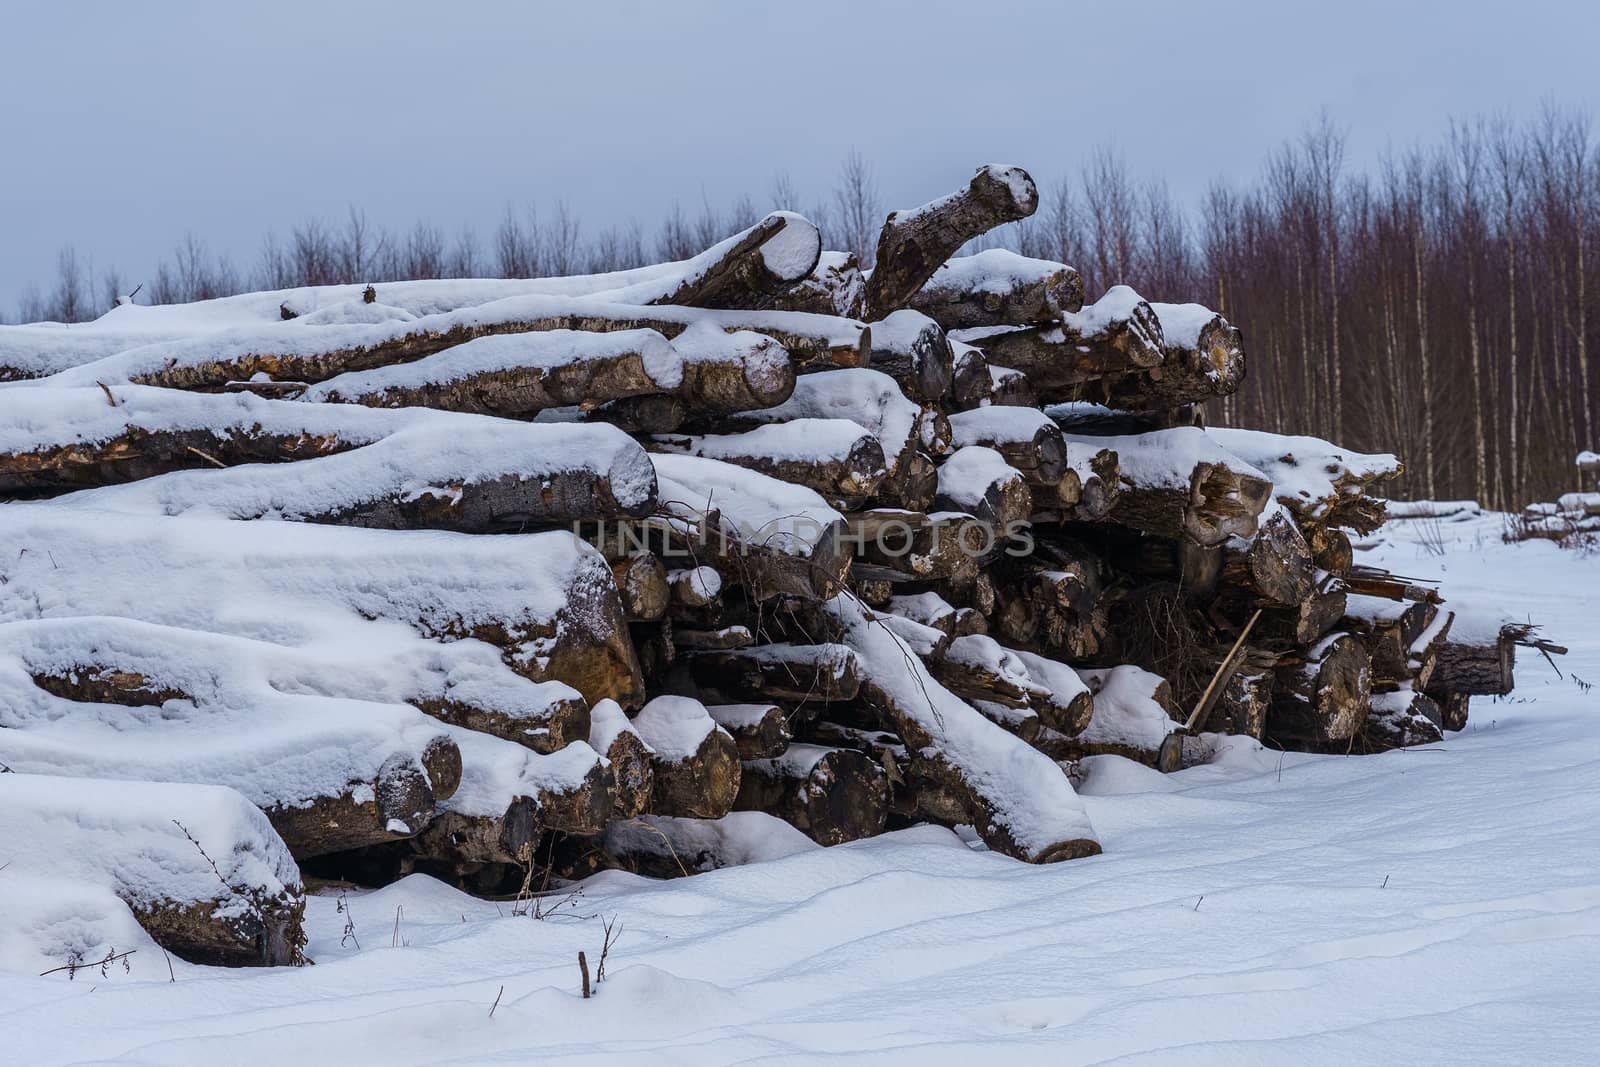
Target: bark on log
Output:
[
  {"x": 516, "y": 375},
  {"x": 1475, "y": 668},
  {"x": 1323, "y": 695},
  {"x": 914, "y": 244},
  {"x": 1305, "y": 623},
  {"x": 832, "y": 795},
  {"x": 998, "y": 287},
  {"x": 75, "y": 439},
  {"x": 398, "y": 803},
  {"x": 631, "y": 779},
  {"x": 912, "y": 546},
  {"x": 1009, "y": 387},
  {"x": 912, "y": 483},
  {"x": 761, "y": 731},
  {"x": 1396, "y": 720}
]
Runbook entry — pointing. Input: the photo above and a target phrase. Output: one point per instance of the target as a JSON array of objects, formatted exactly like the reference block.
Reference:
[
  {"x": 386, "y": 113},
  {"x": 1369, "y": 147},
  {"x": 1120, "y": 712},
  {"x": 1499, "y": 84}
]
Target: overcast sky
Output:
[{"x": 127, "y": 124}]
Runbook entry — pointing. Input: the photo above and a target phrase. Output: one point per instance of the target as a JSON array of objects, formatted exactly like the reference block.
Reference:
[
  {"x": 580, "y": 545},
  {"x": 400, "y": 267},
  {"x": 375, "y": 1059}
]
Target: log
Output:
[
  {"x": 642, "y": 586},
  {"x": 1132, "y": 714},
  {"x": 1019, "y": 802},
  {"x": 914, "y": 244},
  {"x": 1322, "y": 695},
  {"x": 768, "y": 536},
  {"x": 696, "y": 763},
  {"x": 1399, "y": 719},
  {"x": 476, "y": 476},
  {"x": 1317, "y": 481},
  {"x": 723, "y": 638},
  {"x": 780, "y": 672},
  {"x": 1476, "y": 666},
  {"x": 912, "y": 546},
  {"x": 506, "y": 810},
  {"x": 1452, "y": 709},
  {"x": 631, "y": 781},
  {"x": 761, "y": 731},
  {"x": 1178, "y": 483},
  {"x": 1245, "y": 699},
  {"x": 912, "y": 483},
  {"x": 998, "y": 287},
  {"x": 559, "y": 620},
  {"x": 972, "y": 384},
  {"x": 834, "y": 287},
  {"x": 198, "y": 866},
  {"x": 978, "y": 481},
  {"x": 516, "y": 375},
  {"x": 1009, "y": 387},
  {"x": 1309, "y": 621},
  {"x": 1028, "y": 440},
  {"x": 53, "y": 440},
  {"x": 1116, "y": 336},
  {"x": 1275, "y": 564},
  {"x": 1330, "y": 548},
  {"x": 751, "y": 269},
  {"x": 977, "y": 668},
  {"x": 291, "y": 353},
  {"x": 832, "y": 795},
  {"x": 912, "y": 349},
  {"x": 835, "y": 457},
  {"x": 1203, "y": 358}
]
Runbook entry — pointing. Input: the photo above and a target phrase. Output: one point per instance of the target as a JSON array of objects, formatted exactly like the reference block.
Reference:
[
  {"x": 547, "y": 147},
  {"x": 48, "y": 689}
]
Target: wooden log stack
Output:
[{"x": 549, "y": 577}]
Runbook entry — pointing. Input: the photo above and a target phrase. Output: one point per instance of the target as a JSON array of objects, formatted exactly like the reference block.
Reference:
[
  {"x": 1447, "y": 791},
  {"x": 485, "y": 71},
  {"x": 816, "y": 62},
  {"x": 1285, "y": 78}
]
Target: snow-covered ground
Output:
[{"x": 1437, "y": 905}]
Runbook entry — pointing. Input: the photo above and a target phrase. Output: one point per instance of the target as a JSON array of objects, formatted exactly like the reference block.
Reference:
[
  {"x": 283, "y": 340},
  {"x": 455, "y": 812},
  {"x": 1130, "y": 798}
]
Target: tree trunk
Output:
[{"x": 914, "y": 244}]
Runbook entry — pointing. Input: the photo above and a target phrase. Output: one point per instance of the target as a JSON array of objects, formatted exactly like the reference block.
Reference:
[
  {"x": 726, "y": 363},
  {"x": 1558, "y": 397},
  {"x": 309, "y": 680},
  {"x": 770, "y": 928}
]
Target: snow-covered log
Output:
[
  {"x": 1026, "y": 437},
  {"x": 914, "y": 244},
  {"x": 835, "y": 286},
  {"x": 912, "y": 349},
  {"x": 1019, "y": 801},
  {"x": 835, "y": 457},
  {"x": 1117, "y": 335},
  {"x": 978, "y": 481},
  {"x": 761, "y": 731},
  {"x": 1478, "y": 659},
  {"x": 56, "y": 439},
  {"x": 972, "y": 384},
  {"x": 631, "y": 780},
  {"x": 509, "y": 797},
  {"x": 832, "y": 795},
  {"x": 763, "y": 534},
  {"x": 1180, "y": 483},
  {"x": 998, "y": 287},
  {"x": 196, "y": 866},
  {"x": 696, "y": 762},
  {"x": 1131, "y": 715},
  {"x": 114, "y": 698},
  {"x": 748, "y": 270},
  {"x": 546, "y": 600},
  {"x": 1317, "y": 481},
  {"x": 1203, "y": 359},
  {"x": 470, "y": 475}
]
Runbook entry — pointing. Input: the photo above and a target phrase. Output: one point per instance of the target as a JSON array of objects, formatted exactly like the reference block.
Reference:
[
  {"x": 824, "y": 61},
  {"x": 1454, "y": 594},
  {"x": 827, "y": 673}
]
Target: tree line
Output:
[{"x": 1436, "y": 305}]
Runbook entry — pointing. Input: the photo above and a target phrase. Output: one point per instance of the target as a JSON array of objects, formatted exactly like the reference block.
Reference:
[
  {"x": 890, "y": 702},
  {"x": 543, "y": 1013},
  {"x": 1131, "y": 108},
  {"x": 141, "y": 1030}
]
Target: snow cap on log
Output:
[{"x": 998, "y": 287}]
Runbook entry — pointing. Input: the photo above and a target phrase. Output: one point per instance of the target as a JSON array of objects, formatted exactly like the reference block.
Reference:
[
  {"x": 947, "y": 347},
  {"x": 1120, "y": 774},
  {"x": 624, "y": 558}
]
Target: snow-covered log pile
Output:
[
  {"x": 484, "y": 578},
  {"x": 1571, "y": 516}
]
